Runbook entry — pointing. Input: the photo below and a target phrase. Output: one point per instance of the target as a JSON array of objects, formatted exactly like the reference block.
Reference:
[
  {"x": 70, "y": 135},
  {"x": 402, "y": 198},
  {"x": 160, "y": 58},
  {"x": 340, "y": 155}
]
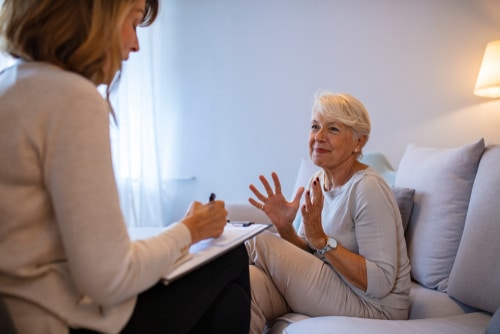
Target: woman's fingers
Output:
[
  {"x": 266, "y": 185},
  {"x": 317, "y": 193},
  {"x": 277, "y": 184},
  {"x": 274, "y": 197},
  {"x": 257, "y": 193},
  {"x": 258, "y": 205},
  {"x": 298, "y": 195},
  {"x": 307, "y": 201},
  {"x": 268, "y": 189}
]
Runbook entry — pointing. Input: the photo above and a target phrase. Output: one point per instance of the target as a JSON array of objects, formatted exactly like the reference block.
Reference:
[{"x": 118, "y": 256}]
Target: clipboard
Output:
[{"x": 235, "y": 233}]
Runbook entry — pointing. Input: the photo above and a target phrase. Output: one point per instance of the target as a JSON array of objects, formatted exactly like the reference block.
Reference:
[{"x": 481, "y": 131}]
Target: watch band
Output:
[
  {"x": 310, "y": 249},
  {"x": 331, "y": 244}
]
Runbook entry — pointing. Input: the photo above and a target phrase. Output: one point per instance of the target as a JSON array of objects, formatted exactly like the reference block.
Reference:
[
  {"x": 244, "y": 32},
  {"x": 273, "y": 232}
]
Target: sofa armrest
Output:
[{"x": 245, "y": 211}]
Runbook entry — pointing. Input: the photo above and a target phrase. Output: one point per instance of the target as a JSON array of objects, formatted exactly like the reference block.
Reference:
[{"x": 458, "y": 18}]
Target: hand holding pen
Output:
[{"x": 206, "y": 220}]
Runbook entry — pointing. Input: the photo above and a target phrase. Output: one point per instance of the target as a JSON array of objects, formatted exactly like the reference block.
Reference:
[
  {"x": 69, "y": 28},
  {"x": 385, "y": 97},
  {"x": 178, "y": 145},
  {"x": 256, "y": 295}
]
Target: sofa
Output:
[{"x": 450, "y": 203}]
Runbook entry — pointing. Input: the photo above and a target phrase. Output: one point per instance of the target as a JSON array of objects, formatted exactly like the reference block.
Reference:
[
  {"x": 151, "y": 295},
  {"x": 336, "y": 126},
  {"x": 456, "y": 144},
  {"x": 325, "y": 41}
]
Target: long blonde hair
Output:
[{"x": 82, "y": 36}]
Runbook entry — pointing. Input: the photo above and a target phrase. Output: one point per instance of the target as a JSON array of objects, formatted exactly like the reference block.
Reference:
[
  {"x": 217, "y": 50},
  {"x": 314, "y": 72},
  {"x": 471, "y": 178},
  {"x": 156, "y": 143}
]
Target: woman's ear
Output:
[
  {"x": 363, "y": 140},
  {"x": 360, "y": 143}
]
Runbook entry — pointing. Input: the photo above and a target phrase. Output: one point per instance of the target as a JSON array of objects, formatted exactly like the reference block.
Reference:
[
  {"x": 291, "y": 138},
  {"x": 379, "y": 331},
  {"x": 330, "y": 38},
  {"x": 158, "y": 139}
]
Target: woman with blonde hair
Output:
[
  {"x": 67, "y": 263},
  {"x": 349, "y": 255}
]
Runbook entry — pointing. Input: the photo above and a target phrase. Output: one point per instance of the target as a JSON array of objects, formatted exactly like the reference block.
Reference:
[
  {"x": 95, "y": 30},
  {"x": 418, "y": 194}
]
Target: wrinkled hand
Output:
[
  {"x": 311, "y": 216},
  {"x": 205, "y": 220},
  {"x": 275, "y": 206}
]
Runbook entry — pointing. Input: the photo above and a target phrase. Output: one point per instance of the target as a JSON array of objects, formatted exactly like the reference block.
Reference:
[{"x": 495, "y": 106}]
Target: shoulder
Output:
[
  {"x": 56, "y": 90},
  {"x": 43, "y": 101},
  {"x": 46, "y": 78},
  {"x": 369, "y": 182}
]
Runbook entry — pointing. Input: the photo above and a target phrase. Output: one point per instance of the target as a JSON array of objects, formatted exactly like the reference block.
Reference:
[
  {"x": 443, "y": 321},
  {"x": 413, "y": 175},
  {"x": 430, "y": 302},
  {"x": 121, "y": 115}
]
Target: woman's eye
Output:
[
  {"x": 136, "y": 22},
  {"x": 315, "y": 127},
  {"x": 334, "y": 129}
]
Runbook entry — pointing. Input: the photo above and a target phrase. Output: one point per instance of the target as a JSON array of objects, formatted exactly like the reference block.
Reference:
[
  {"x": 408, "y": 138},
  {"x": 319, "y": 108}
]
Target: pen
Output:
[
  {"x": 242, "y": 224},
  {"x": 212, "y": 197}
]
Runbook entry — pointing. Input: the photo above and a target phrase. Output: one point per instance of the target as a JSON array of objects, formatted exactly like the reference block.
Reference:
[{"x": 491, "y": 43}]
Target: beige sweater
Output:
[{"x": 65, "y": 255}]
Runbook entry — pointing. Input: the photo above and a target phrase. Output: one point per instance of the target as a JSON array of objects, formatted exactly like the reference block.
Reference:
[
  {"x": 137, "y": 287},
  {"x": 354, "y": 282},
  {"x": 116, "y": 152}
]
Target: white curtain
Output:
[
  {"x": 135, "y": 139},
  {"x": 154, "y": 191}
]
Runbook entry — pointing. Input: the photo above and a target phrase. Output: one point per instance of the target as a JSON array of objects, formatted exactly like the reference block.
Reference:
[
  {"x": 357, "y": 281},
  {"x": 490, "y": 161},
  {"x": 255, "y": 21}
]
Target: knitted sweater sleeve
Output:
[{"x": 105, "y": 265}]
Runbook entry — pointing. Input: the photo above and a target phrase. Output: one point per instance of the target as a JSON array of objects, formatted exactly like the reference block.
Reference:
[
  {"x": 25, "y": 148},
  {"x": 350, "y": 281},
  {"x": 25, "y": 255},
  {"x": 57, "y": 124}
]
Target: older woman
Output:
[{"x": 349, "y": 256}]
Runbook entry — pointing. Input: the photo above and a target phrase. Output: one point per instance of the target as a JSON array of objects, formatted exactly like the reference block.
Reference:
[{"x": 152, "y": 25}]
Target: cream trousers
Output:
[{"x": 285, "y": 278}]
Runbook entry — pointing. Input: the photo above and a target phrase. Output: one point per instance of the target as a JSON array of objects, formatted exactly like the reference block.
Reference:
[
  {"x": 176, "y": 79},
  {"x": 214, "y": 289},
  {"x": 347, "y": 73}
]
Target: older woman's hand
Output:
[
  {"x": 275, "y": 206},
  {"x": 311, "y": 216}
]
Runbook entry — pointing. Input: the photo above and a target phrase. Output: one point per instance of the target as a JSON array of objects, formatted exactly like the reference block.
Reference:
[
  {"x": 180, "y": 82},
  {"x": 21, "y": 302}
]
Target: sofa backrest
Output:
[{"x": 475, "y": 277}]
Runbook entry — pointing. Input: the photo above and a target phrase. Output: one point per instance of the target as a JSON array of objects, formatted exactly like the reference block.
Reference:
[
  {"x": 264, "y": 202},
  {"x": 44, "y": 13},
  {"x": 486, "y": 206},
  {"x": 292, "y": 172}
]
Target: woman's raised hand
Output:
[
  {"x": 311, "y": 215},
  {"x": 274, "y": 204}
]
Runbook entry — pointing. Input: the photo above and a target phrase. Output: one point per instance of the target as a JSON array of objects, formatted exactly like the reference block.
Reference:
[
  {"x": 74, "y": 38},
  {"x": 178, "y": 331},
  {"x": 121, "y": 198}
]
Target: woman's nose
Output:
[
  {"x": 135, "y": 46},
  {"x": 319, "y": 135}
]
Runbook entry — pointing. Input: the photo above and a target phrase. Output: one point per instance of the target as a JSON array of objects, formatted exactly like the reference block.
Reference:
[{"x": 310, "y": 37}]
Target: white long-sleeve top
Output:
[
  {"x": 65, "y": 255},
  {"x": 364, "y": 217}
]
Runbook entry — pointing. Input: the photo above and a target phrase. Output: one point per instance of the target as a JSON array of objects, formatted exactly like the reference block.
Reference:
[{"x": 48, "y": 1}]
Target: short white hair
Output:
[{"x": 345, "y": 109}]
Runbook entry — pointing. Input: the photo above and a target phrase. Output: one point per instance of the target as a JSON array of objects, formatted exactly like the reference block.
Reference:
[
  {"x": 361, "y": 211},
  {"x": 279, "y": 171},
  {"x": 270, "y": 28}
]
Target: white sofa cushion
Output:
[
  {"x": 442, "y": 179},
  {"x": 458, "y": 324},
  {"x": 430, "y": 303},
  {"x": 475, "y": 277}
]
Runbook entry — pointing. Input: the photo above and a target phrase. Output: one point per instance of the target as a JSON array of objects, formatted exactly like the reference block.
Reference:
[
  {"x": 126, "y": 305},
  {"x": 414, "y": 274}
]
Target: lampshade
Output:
[{"x": 488, "y": 80}]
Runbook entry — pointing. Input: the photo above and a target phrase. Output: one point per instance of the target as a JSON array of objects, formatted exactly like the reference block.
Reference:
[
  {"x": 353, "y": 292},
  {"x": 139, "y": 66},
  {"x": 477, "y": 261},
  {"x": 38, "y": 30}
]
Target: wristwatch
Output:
[{"x": 331, "y": 244}]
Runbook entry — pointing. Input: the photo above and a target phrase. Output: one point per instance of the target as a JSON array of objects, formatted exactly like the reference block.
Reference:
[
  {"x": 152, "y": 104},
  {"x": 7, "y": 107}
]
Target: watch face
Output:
[{"x": 332, "y": 243}]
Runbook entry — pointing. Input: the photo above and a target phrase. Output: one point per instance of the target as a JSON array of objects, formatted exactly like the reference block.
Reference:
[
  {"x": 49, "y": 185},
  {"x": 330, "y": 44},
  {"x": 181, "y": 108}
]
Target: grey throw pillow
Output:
[{"x": 404, "y": 198}]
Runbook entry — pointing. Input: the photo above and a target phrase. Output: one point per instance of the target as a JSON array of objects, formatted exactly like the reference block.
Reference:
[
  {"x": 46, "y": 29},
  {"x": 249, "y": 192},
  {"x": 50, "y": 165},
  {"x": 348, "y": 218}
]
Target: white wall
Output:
[{"x": 241, "y": 75}]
